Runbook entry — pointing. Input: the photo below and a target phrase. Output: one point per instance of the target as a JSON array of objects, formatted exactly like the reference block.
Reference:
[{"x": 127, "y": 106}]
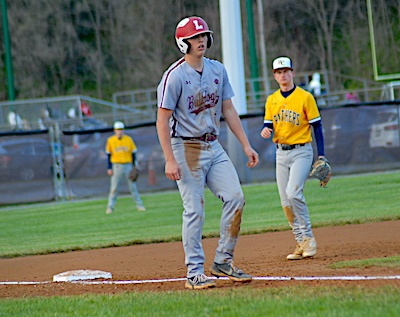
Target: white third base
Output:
[{"x": 79, "y": 275}]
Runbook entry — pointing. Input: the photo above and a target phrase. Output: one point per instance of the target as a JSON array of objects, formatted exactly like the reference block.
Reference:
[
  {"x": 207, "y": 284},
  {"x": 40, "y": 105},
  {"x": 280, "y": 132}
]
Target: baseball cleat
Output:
[
  {"x": 109, "y": 211},
  {"x": 309, "y": 247},
  {"x": 200, "y": 281},
  {"x": 297, "y": 253},
  {"x": 231, "y": 271}
]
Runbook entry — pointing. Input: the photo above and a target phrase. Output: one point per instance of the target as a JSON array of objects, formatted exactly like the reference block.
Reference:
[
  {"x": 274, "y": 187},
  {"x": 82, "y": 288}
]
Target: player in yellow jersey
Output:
[
  {"x": 289, "y": 114},
  {"x": 121, "y": 151}
]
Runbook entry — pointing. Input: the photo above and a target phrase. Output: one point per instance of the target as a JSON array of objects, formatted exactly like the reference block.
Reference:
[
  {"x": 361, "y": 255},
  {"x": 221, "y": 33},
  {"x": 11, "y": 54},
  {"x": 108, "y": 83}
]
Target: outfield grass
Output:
[
  {"x": 285, "y": 301},
  {"x": 66, "y": 226}
]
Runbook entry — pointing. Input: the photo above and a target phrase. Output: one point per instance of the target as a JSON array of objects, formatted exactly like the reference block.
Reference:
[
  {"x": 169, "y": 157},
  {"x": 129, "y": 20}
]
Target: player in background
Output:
[
  {"x": 121, "y": 152},
  {"x": 289, "y": 114},
  {"x": 193, "y": 94}
]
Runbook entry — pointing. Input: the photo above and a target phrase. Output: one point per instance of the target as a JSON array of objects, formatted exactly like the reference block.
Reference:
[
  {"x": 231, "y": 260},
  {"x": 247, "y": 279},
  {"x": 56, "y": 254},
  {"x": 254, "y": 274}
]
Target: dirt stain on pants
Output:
[
  {"x": 192, "y": 154},
  {"x": 234, "y": 228},
  {"x": 288, "y": 213}
]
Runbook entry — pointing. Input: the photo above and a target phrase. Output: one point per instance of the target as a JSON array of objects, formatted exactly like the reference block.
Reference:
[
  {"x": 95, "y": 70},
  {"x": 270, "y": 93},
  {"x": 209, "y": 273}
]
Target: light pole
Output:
[
  {"x": 252, "y": 51},
  {"x": 263, "y": 50},
  {"x": 232, "y": 54},
  {"x": 7, "y": 47}
]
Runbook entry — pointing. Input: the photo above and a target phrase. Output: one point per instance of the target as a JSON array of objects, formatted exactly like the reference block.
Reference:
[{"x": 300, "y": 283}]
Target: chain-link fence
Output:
[{"x": 65, "y": 164}]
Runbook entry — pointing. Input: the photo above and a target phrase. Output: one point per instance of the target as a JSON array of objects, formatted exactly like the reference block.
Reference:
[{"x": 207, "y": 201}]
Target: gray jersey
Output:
[{"x": 195, "y": 98}]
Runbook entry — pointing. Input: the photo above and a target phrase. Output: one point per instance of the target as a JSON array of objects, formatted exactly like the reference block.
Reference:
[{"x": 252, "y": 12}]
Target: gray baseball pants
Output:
[
  {"x": 120, "y": 172},
  {"x": 204, "y": 163},
  {"x": 292, "y": 170}
]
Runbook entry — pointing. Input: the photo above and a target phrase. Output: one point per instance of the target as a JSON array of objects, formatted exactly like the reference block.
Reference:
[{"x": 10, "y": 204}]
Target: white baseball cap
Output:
[
  {"x": 282, "y": 62},
  {"x": 118, "y": 125}
]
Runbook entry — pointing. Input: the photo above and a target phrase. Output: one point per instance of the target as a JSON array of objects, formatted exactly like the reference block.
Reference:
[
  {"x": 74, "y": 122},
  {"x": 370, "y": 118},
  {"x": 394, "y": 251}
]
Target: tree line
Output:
[{"x": 97, "y": 47}]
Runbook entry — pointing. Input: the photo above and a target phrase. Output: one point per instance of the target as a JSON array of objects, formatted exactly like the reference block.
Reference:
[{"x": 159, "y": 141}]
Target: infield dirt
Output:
[{"x": 259, "y": 255}]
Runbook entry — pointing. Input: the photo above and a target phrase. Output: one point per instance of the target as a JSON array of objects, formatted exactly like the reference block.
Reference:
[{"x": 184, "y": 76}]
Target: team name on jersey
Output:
[
  {"x": 121, "y": 149},
  {"x": 201, "y": 102},
  {"x": 287, "y": 116}
]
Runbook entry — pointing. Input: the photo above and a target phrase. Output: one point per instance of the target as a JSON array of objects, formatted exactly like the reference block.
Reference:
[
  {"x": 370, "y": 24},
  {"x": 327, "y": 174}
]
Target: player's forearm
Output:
[
  {"x": 167, "y": 150},
  {"x": 109, "y": 164},
  {"x": 233, "y": 120},
  {"x": 319, "y": 138},
  {"x": 236, "y": 127},
  {"x": 165, "y": 140}
]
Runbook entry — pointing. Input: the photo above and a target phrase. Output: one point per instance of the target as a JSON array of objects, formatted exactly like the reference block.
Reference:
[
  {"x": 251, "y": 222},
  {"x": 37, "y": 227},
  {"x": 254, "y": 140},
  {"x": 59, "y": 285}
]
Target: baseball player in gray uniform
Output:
[{"x": 193, "y": 94}]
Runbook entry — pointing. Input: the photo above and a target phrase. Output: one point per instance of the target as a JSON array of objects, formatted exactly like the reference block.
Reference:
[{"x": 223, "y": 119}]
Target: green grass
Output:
[
  {"x": 285, "y": 301},
  {"x": 66, "y": 226},
  {"x": 392, "y": 262}
]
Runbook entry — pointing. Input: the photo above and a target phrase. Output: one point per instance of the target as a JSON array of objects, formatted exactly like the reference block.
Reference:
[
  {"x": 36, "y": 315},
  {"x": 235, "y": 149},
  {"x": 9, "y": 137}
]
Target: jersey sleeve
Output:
[
  {"x": 108, "y": 146},
  {"x": 227, "y": 92},
  {"x": 268, "y": 113},
  {"x": 134, "y": 147},
  {"x": 312, "y": 111},
  {"x": 170, "y": 87}
]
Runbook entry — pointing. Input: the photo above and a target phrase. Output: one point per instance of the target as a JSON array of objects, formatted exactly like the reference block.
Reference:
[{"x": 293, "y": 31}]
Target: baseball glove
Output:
[
  {"x": 321, "y": 170},
  {"x": 134, "y": 174}
]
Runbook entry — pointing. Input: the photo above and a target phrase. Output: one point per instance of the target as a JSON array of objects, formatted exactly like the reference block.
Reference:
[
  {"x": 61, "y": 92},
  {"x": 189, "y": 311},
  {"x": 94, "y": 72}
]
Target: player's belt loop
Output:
[{"x": 288, "y": 147}]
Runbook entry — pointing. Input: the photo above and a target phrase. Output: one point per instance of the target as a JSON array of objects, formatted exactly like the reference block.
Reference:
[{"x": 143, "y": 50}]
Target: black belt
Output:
[
  {"x": 287, "y": 147},
  {"x": 208, "y": 137}
]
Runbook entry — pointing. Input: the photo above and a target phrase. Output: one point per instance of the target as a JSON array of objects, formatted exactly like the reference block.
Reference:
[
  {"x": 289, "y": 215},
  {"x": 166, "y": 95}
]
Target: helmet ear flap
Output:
[
  {"x": 183, "y": 45},
  {"x": 210, "y": 39},
  {"x": 187, "y": 46}
]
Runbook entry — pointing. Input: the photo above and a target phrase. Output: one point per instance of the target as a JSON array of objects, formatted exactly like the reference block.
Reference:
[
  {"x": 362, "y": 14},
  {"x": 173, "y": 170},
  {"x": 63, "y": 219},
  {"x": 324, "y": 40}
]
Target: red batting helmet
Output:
[{"x": 189, "y": 27}]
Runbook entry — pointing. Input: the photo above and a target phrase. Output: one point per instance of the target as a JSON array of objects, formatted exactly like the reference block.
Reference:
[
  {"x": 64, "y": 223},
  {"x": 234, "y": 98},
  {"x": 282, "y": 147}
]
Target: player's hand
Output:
[
  {"x": 252, "y": 156},
  {"x": 266, "y": 133},
  {"x": 109, "y": 172},
  {"x": 172, "y": 170}
]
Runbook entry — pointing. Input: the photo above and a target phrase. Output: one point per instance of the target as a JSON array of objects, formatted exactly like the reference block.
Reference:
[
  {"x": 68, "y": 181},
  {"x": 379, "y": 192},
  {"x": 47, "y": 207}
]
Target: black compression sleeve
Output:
[
  {"x": 268, "y": 125},
  {"x": 109, "y": 164},
  {"x": 319, "y": 137},
  {"x": 134, "y": 158}
]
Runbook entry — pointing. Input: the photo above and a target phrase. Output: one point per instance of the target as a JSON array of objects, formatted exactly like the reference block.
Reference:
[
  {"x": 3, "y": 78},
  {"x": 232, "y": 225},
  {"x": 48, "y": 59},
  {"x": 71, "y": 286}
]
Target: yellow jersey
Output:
[
  {"x": 291, "y": 116},
  {"x": 120, "y": 149}
]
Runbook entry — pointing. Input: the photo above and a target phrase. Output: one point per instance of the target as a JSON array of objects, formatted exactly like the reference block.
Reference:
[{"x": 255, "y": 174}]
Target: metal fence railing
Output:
[
  {"x": 258, "y": 89},
  {"x": 70, "y": 112}
]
